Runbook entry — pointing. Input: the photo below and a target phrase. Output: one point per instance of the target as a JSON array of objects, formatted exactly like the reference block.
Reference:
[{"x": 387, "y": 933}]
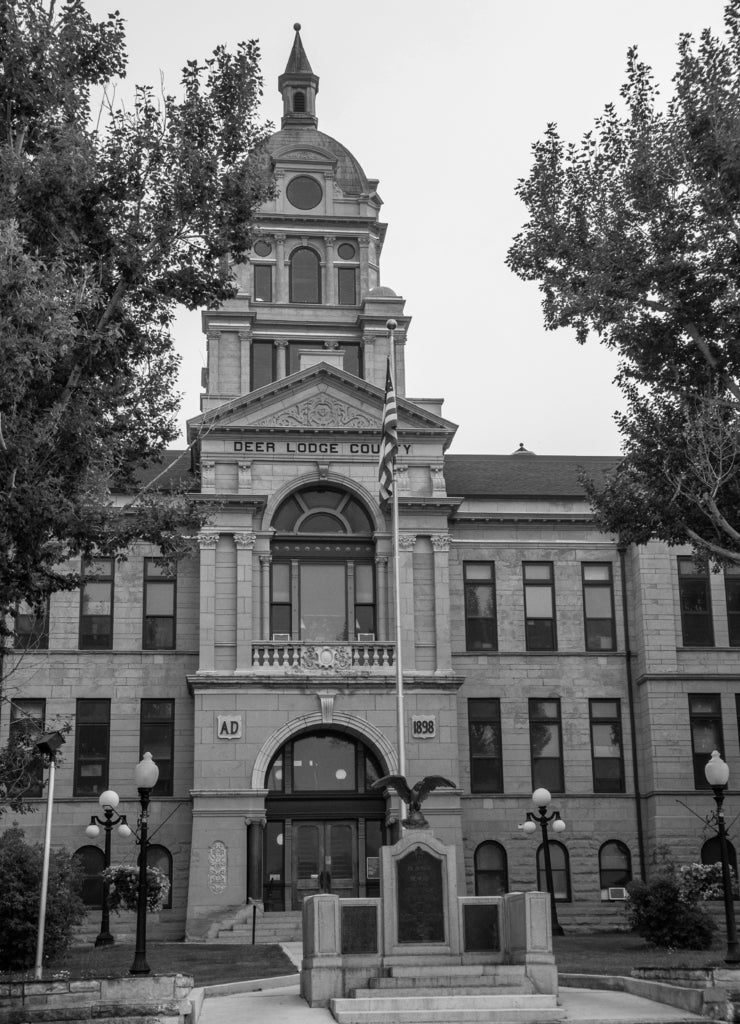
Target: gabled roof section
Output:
[
  {"x": 319, "y": 398},
  {"x": 172, "y": 472},
  {"x": 536, "y": 476}
]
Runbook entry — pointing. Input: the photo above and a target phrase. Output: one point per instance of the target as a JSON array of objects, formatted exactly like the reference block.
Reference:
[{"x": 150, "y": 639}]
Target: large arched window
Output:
[
  {"x": 305, "y": 276},
  {"x": 323, "y": 572},
  {"x": 491, "y": 874},
  {"x": 92, "y": 862},
  {"x": 615, "y": 866},
  {"x": 560, "y": 870},
  {"x": 160, "y": 857}
]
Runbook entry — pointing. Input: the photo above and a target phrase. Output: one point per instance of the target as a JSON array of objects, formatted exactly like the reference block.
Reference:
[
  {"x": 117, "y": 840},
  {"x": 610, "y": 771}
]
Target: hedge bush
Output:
[
  {"x": 20, "y": 892},
  {"x": 668, "y": 910}
]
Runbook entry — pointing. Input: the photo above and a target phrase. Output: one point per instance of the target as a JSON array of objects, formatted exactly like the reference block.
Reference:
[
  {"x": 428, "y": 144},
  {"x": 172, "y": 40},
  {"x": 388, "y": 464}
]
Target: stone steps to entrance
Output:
[
  {"x": 269, "y": 929},
  {"x": 460, "y": 988},
  {"x": 445, "y": 1009}
]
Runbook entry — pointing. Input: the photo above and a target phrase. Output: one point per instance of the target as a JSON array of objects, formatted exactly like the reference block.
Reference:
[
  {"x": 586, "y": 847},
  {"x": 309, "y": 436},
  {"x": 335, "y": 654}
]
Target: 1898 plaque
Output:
[{"x": 420, "y": 898}]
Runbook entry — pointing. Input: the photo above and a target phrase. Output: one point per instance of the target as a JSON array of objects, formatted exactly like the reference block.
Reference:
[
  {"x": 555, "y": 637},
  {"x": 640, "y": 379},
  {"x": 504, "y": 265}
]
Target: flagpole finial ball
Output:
[
  {"x": 297, "y": 26},
  {"x": 391, "y": 325}
]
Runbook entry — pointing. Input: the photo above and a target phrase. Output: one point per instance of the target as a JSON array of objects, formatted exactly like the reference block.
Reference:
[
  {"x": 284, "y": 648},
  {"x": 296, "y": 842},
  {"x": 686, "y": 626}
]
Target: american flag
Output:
[{"x": 388, "y": 438}]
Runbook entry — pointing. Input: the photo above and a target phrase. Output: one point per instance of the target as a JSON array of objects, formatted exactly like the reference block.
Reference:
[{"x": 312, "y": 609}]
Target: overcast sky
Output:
[{"x": 442, "y": 101}]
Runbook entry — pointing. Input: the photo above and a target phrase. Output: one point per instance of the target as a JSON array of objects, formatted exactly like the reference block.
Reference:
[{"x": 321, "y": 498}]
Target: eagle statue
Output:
[{"x": 415, "y": 797}]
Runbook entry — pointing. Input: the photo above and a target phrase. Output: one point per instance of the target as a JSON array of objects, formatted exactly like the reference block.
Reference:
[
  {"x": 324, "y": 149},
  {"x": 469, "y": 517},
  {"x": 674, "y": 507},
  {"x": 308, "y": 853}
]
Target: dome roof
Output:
[
  {"x": 349, "y": 175},
  {"x": 382, "y": 292}
]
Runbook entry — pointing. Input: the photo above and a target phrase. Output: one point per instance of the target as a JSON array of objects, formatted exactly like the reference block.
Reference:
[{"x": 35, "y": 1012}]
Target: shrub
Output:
[
  {"x": 123, "y": 891},
  {"x": 667, "y": 911},
  {"x": 20, "y": 892}
]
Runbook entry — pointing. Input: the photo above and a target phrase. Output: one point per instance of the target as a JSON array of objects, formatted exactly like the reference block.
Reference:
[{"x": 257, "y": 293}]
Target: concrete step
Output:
[
  {"x": 473, "y": 988},
  {"x": 456, "y": 970},
  {"x": 502, "y": 1009}
]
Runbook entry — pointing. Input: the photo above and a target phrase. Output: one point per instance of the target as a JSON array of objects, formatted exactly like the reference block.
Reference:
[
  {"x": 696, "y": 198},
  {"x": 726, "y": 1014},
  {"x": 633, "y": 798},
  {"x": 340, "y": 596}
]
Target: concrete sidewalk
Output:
[{"x": 277, "y": 1001}]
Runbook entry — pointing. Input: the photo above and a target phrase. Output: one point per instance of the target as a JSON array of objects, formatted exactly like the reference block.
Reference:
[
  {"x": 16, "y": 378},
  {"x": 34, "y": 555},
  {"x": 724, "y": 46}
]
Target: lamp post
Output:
[
  {"x": 48, "y": 745},
  {"x": 718, "y": 775},
  {"x": 109, "y": 801},
  {"x": 541, "y": 799},
  {"x": 146, "y": 774}
]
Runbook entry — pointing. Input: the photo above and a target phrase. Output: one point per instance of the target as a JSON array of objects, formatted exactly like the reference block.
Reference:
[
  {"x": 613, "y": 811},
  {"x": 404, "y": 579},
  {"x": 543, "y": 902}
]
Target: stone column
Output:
[
  {"x": 441, "y": 547},
  {"x": 381, "y": 589},
  {"x": 244, "y": 354},
  {"x": 214, "y": 337},
  {"x": 282, "y": 362},
  {"x": 367, "y": 343},
  {"x": 281, "y": 269},
  {"x": 244, "y": 618},
  {"x": 265, "y": 561},
  {"x": 350, "y": 599},
  {"x": 207, "y": 542},
  {"x": 406, "y": 544},
  {"x": 364, "y": 267},
  {"x": 255, "y": 830},
  {"x": 331, "y": 284}
]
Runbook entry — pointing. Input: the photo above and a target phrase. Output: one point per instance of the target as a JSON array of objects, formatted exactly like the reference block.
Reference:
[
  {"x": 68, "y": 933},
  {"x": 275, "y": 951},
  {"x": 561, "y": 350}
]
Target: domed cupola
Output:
[{"x": 298, "y": 86}]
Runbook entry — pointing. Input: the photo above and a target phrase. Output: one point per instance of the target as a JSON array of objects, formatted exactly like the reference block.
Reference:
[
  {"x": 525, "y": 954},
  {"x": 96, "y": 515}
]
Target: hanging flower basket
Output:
[{"x": 123, "y": 887}]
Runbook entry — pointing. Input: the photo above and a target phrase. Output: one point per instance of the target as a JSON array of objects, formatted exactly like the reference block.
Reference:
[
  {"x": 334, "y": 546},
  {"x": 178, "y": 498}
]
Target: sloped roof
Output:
[
  {"x": 524, "y": 475},
  {"x": 175, "y": 471}
]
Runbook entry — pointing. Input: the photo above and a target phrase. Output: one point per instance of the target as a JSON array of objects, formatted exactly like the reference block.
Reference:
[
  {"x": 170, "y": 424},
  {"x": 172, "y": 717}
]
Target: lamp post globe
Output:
[{"x": 541, "y": 797}]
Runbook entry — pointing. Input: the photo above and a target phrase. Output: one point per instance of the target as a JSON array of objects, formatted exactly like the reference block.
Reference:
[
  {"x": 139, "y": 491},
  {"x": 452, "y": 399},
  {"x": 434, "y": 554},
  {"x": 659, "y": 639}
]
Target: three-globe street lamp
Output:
[
  {"x": 718, "y": 775},
  {"x": 541, "y": 799},
  {"x": 146, "y": 774},
  {"x": 109, "y": 801}
]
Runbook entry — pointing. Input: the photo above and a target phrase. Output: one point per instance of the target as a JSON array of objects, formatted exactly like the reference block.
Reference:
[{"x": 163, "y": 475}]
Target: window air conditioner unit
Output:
[
  {"x": 281, "y": 638},
  {"x": 617, "y": 892},
  {"x": 366, "y": 638}
]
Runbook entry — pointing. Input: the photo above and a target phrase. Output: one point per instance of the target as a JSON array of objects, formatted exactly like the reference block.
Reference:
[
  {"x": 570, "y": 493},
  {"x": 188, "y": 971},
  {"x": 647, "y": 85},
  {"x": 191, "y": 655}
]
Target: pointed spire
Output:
[{"x": 298, "y": 86}]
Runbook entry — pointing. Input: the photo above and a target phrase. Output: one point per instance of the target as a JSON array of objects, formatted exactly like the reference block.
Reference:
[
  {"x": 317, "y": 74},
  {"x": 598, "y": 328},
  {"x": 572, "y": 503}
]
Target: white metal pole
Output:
[
  {"x": 45, "y": 873},
  {"x": 397, "y": 581}
]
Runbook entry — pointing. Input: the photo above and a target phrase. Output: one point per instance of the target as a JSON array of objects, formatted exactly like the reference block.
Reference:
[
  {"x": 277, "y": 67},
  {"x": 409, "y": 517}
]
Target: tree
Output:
[
  {"x": 634, "y": 234},
  {"x": 103, "y": 231},
  {"x": 20, "y": 892}
]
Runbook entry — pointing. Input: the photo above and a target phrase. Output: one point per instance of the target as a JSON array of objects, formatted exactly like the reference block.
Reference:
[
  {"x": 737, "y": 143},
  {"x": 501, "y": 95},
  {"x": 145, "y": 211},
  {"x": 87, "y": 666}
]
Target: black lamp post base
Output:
[
  {"x": 140, "y": 966},
  {"x": 105, "y": 939}
]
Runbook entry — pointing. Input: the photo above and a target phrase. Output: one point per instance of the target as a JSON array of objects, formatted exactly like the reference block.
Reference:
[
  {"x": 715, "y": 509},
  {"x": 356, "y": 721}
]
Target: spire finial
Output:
[
  {"x": 298, "y": 86},
  {"x": 297, "y": 26}
]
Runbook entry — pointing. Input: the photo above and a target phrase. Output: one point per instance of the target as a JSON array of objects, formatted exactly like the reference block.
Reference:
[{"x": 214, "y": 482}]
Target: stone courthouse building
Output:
[{"x": 536, "y": 651}]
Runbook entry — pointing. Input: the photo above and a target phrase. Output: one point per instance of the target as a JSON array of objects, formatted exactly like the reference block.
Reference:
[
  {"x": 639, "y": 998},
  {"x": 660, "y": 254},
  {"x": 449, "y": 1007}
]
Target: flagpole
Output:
[{"x": 391, "y": 326}]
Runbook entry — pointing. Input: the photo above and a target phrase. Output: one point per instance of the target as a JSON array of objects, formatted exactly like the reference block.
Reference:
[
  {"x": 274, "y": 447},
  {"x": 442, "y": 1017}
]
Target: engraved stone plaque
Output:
[
  {"x": 480, "y": 928},
  {"x": 421, "y": 915},
  {"x": 359, "y": 930}
]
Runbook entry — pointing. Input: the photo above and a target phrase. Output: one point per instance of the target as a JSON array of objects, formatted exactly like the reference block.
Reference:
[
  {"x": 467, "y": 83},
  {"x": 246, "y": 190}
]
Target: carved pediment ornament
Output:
[{"x": 320, "y": 411}]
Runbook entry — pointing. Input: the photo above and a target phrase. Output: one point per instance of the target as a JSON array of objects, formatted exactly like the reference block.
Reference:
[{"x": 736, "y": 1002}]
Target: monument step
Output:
[
  {"x": 406, "y": 970},
  {"x": 472, "y": 988},
  {"x": 504, "y": 1009}
]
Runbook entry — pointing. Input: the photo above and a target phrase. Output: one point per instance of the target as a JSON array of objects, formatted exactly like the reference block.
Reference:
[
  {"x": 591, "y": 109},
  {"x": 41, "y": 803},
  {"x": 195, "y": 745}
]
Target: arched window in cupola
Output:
[
  {"x": 299, "y": 102},
  {"x": 305, "y": 275}
]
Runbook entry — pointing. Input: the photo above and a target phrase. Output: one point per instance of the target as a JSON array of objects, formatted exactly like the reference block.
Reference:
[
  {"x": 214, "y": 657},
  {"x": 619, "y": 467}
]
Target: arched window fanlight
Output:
[{"x": 321, "y": 510}]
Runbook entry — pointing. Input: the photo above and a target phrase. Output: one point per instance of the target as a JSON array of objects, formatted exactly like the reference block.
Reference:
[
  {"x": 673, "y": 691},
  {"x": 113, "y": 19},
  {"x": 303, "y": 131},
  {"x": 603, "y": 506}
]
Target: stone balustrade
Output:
[{"x": 312, "y": 657}]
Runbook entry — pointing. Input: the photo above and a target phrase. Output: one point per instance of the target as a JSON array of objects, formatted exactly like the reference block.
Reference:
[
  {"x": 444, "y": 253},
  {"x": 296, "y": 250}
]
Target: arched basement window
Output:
[
  {"x": 92, "y": 862},
  {"x": 323, "y": 568},
  {"x": 160, "y": 857},
  {"x": 560, "y": 870},
  {"x": 615, "y": 866},
  {"x": 491, "y": 874},
  {"x": 710, "y": 854},
  {"x": 305, "y": 276}
]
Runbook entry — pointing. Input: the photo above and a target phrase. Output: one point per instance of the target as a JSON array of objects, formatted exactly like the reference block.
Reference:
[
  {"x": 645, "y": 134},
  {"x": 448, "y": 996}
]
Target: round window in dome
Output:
[
  {"x": 262, "y": 248},
  {"x": 304, "y": 193},
  {"x": 346, "y": 251}
]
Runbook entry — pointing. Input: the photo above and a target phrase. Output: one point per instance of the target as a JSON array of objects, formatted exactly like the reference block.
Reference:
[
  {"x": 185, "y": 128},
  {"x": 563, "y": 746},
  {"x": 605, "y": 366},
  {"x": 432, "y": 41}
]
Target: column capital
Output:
[
  {"x": 244, "y": 333},
  {"x": 381, "y": 560},
  {"x": 280, "y": 343},
  {"x": 280, "y": 239},
  {"x": 213, "y": 334},
  {"x": 207, "y": 540},
  {"x": 330, "y": 239},
  {"x": 441, "y": 541},
  {"x": 265, "y": 560},
  {"x": 259, "y": 822},
  {"x": 245, "y": 541},
  {"x": 407, "y": 541}
]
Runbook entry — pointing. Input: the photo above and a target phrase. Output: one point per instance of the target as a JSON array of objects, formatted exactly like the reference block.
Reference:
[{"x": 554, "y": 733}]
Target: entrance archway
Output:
[{"x": 325, "y": 824}]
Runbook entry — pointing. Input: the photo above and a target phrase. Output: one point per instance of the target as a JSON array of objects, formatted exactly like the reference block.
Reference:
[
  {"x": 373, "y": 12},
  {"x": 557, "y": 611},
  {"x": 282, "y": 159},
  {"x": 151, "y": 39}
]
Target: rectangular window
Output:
[
  {"x": 705, "y": 717},
  {"x": 96, "y": 604},
  {"x": 157, "y": 735},
  {"x": 346, "y": 279},
  {"x": 262, "y": 370},
  {"x": 27, "y": 717},
  {"x": 480, "y": 606},
  {"x": 598, "y": 606},
  {"x": 545, "y": 738},
  {"x": 484, "y": 731},
  {"x": 281, "y": 606},
  {"x": 732, "y": 593},
  {"x": 31, "y": 626},
  {"x": 262, "y": 282},
  {"x": 539, "y": 606},
  {"x": 364, "y": 599},
  {"x": 92, "y": 747},
  {"x": 696, "y": 605},
  {"x": 606, "y": 746},
  {"x": 160, "y": 589}
]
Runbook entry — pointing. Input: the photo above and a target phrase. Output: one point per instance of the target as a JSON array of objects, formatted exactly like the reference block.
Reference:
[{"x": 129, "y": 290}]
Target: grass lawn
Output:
[{"x": 210, "y": 964}]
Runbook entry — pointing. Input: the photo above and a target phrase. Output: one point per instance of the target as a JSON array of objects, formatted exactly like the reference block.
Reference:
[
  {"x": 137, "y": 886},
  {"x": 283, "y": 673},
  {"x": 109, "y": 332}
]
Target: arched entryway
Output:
[{"x": 325, "y": 823}]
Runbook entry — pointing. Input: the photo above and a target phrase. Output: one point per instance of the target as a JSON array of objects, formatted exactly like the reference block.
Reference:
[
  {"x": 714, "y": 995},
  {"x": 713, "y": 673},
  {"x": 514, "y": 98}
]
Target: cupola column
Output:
[
  {"x": 364, "y": 267},
  {"x": 281, "y": 269},
  {"x": 441, "y": 549},
  {"x": 265, "y": 562},
  {"x": 282, "y": 367},
  {"x": 406, "y": 544},
  {"x": 331, "y": 285},
  {"x": 207, "y": 541},
  {"x": 244, "y": 556}
]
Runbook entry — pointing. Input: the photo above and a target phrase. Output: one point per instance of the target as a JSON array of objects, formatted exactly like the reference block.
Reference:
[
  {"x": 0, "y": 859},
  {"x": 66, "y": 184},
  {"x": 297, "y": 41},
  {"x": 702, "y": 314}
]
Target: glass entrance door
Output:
[{"x": 324, "y": 859}]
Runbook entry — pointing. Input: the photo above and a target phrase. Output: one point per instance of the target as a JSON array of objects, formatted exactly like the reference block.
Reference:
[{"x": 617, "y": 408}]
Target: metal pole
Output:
[
  {"x": 140, "y": 966},
  {"x": 733, "y": 953},
  {"x": 104, "y": 937},
  {"x": 45, "y": 873},
  {"x": 397, "y": 582},
  {"x": 556, "y": 928}
]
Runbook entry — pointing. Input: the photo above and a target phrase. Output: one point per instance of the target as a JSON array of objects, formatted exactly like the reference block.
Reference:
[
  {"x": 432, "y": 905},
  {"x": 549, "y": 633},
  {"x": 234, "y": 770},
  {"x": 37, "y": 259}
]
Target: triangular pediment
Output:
[{"x": 318, "y": 398}]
